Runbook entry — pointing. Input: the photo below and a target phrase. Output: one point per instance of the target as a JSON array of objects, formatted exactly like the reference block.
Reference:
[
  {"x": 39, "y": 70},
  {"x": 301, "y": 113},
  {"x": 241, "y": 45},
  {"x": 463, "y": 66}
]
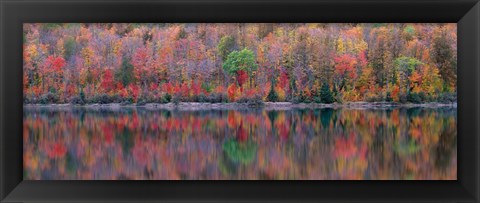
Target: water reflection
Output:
[{"x": 320, "y": 144}]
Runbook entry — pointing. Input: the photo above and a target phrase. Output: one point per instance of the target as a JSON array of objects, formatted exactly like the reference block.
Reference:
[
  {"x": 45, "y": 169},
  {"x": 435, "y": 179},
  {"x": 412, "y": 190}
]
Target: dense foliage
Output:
[{"x": 130, "y": 63}]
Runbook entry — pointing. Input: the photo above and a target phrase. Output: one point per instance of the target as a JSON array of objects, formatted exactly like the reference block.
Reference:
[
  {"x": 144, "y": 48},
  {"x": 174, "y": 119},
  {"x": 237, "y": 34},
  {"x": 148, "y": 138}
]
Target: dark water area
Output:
[{"x": 313, "y": 144}]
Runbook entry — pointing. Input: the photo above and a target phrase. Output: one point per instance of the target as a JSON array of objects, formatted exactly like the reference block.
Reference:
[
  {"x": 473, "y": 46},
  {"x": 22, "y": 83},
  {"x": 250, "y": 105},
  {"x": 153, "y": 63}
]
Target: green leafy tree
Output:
[
  {"x": 405, "y": 67},
  {"x": 240, "y": 60}
]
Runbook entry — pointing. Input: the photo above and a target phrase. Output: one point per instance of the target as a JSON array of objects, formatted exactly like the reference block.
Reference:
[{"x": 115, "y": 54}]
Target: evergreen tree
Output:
[
  {"x": 272, "y": 95},
  {"x": 389, "y": 97},
  {"x": 125, "y": 73},
  {"x": 325, "y": 94}
]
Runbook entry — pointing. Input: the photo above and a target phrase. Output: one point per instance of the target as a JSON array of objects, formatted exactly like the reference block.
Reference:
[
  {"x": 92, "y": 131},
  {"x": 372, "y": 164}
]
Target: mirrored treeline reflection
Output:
[{"x": 316, "y": 144}]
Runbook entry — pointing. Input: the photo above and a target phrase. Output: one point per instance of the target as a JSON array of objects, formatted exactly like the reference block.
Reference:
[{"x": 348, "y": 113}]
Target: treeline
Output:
[{"x": 324, "y": 63}]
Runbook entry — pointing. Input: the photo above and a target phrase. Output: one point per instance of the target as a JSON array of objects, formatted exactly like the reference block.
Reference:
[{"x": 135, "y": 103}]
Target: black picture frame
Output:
[{"x": 464, "y": 12}]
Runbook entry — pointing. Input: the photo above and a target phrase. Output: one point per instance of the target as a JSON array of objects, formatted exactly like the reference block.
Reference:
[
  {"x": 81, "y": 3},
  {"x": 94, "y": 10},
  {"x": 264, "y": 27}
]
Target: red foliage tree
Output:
[
  {"x": 108, "y": 83},
  {"x": 242, "y": 77}
]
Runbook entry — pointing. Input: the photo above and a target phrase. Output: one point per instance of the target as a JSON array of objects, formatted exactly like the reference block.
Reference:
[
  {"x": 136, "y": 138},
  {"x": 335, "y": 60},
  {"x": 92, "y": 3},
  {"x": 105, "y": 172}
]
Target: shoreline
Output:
[{"x": 194, "y": 106}]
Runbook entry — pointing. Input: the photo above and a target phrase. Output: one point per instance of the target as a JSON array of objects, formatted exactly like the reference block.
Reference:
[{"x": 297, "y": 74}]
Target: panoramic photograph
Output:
[{"x": 240, "y": 101}]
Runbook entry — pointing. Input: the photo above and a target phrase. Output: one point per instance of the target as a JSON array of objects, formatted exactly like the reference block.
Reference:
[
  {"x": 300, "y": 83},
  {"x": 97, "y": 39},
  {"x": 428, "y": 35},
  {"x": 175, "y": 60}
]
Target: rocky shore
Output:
[{"x": 193, "y": 106}]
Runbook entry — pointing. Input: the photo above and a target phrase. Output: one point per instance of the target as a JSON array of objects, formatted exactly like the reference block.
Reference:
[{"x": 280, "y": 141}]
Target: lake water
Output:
[{"x": 338, "y": 144}]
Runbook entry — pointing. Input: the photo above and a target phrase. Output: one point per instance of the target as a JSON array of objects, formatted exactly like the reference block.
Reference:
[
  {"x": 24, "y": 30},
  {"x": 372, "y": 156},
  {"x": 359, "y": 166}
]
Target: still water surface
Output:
[{"x": 339, "y": 144}]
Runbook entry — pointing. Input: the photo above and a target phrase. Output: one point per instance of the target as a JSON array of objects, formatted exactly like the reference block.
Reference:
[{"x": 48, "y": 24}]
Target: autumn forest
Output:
[
  {"x": 299, "y": 63},
  {"x": 179, "y": 101}
]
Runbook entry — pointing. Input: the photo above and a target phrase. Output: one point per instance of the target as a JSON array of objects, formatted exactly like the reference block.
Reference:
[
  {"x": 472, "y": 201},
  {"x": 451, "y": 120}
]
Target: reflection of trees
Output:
[
  {"x": 326, "y": 117},
  {"x": 298, "y": 144},
  {"x": 447, "y": 144},
  {"x": 126, "y": 140},
  {"x": 243, "y": 153}
]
